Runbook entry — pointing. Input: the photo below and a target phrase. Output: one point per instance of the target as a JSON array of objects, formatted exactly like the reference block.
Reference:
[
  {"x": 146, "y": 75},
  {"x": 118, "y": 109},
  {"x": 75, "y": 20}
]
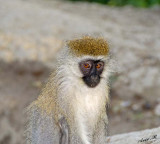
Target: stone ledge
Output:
[{"x": 149, "y": 136}]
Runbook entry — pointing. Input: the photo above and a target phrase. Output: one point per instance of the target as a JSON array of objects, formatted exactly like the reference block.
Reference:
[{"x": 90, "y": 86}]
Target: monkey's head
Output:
[{"x": 87, "y": 59}]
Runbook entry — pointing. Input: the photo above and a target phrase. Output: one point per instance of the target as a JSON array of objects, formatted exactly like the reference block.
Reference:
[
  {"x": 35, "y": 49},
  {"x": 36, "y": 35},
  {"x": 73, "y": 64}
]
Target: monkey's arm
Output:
[
  {"x": 64, "y": 131},
  {"x": 100, "y": 136},
  {"x": 41, "y": 128}
]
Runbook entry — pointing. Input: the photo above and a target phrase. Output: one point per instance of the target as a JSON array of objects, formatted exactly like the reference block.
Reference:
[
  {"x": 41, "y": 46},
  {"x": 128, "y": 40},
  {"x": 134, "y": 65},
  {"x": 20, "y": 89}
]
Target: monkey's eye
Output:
[
  {"x": 98, "y": 65},
  {"x": 86, "y": 65}
]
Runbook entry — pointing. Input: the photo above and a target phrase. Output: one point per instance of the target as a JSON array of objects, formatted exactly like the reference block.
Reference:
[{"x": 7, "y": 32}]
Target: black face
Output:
[{"x": 91, "y": 71}]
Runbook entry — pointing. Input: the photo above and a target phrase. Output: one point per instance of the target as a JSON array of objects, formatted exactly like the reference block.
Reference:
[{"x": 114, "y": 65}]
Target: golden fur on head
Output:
[{"x": 89, "y": 46}]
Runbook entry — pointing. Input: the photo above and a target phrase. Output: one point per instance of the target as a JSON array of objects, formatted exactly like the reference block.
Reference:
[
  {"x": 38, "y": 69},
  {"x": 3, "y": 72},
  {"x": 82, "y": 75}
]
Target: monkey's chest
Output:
[{"x": 88, "y": 109}]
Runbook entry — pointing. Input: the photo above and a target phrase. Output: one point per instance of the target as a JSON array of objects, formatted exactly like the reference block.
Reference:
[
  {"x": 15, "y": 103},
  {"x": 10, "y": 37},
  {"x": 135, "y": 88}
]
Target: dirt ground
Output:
[{"x": 19, "y": 85}]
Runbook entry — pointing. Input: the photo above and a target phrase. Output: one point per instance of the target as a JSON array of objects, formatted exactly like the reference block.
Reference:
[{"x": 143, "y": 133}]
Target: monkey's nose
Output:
[{"x": 94, "y": 78}]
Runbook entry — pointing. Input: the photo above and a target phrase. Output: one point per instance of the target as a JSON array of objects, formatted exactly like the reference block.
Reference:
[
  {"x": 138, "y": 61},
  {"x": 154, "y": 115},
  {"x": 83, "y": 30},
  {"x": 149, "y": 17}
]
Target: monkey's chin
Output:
[{"x": 92, "y": 85}]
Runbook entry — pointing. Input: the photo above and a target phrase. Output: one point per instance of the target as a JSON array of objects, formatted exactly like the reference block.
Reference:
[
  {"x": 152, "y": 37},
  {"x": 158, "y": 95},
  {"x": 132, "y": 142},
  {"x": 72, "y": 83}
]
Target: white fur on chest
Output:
[{"x": 89, "y": 102}]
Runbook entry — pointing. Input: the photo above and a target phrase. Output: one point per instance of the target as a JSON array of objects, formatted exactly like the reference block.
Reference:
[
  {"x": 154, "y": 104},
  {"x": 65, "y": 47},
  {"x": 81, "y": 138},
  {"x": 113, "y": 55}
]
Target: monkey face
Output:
[{"x": 91, "y": 70}]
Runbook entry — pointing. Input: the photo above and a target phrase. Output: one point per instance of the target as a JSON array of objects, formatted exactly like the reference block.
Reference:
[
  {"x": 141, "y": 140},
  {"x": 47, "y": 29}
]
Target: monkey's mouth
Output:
[{"x": 92, "y": 80}]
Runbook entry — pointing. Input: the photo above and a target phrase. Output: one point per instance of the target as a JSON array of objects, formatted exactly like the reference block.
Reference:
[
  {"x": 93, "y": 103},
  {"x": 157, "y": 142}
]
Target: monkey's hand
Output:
[{"x": 64, "y": 139}]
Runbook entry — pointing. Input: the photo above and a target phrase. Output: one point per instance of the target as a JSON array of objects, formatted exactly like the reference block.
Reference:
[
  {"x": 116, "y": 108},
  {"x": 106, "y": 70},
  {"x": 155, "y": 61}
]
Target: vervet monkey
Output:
[{"x": 72, "y": 106}]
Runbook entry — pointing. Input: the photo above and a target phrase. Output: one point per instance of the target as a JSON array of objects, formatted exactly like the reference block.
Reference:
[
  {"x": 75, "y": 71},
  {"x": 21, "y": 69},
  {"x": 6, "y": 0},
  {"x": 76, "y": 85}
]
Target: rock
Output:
[
  {"x": 150, "y": 136},
  {"x": 147, "y": 105},
  {"x": 125, "y": 104},
  {"x": 157, "y": 110},
  {"x": 37, "y": 84},
  {"x": 136, "y": 107}
]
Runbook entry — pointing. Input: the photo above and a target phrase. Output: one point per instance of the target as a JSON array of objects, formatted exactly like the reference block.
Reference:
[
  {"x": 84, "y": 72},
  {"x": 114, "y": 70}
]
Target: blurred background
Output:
[{"x": 33, "y": 31}]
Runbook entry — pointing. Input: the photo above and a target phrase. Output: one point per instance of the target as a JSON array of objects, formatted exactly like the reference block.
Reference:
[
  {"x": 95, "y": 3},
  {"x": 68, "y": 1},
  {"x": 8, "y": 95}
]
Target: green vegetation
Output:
[{"x": 136, "y": 3}]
